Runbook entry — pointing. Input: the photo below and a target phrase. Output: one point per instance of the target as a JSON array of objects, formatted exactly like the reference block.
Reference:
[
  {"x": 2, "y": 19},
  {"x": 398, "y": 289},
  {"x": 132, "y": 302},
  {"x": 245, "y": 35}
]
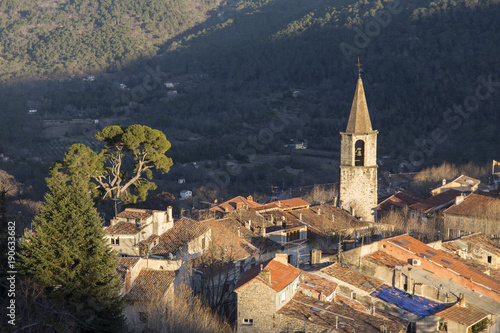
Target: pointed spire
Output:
[{"x": 359, "y": 120}]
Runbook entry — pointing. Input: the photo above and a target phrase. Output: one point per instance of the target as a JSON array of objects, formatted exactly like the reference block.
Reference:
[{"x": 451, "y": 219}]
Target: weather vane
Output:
[{"x": 359, "y": 68}]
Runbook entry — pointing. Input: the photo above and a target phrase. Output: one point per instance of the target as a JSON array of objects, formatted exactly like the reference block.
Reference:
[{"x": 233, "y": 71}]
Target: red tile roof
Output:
[
  {"x": 326, "y": 314},
  {"x": 384, "y": 259},
  {"x": 411, "y": 244},
  {"x": 436, "y": 202},
  {"x": 352, "y": 277},
  {"x": 122, "y": 228},
  {"x": 281, "y": 275},
  {"x": 150, "y": 285},
  {"x": 183, "y": 231},
  {"x": 317, "y": 284},
  {"x": 125, "y": 263},
  {"x": 227, "y": 245},
  {"x": 287, "y": 204},
  {"x": 235, "y": 203},
  {"x": 398, "y": 199},
  {"x": 477, "y": 204},
  {"x": 484, "y": 242},
  {"x": 468, "y": 315},
  {"x": 135, "y": 214}
]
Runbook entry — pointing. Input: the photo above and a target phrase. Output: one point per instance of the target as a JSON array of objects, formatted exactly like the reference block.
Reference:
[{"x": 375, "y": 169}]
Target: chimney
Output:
[
  {"x": 353, "y": 211},
  {"x": 272, "y": 218},
  {"x": 336, "y": 322},
  {"x": 334, "y": 201},
  {"x": 170, "y": 216},
  {"x": 319, "y": 211},
  {"x": 461, "y": 301},
  {"x": 113, "y": 221},
  {"x": 459, "y": 199},
  {"x": 265, "y": 274},
  {"x": 282, "y": 258},
  {"x": 443, "y": 182},
  {"x": 409, "y": 287},
  {"x": 127, "y": 280},
  {"x": 372, "y": 310},
  {"x": 248, "y": 224},
  {"x": 250, "y": 198},
  {"x": 300, "y": 216},
  {"x": 279, "y": 223},
  {"x": 279, "y": 203},
  {"x": 239, "y": 232},
  {"x": 383, "y": 328}
]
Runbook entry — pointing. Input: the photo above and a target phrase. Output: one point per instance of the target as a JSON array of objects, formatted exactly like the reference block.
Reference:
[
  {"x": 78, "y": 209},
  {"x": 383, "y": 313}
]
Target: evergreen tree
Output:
[{"x": 68, "y": 256}]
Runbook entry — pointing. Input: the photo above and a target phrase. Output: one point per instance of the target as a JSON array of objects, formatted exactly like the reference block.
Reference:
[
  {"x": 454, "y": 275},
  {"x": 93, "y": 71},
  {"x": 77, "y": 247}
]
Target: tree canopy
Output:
[
  {"x": 122, "y": 171},
  {"x": 69, "y": 257}
]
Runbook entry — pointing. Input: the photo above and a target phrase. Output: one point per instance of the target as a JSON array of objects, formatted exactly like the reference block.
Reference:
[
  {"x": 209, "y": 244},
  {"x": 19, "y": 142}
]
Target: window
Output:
[
  {"x": 115, "y": 241},
  {"x": 247, "y": 321},
  {"x": 443, "y": 326},
  {"x": 143, "y": 317},
  {"x": 489, "y": 259},
  {"x": 353, "y": 295},
  {"x": 293, "y": 235},
  {"x": 359, "y": 154}
]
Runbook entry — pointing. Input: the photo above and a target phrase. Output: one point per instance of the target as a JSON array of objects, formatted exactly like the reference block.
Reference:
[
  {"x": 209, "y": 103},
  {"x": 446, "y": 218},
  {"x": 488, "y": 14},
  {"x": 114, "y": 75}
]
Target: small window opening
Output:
[
  {"x": 359, "y": 155},
  {"x": 247, "y": 321},
  {"x": 489, "y": 259}
]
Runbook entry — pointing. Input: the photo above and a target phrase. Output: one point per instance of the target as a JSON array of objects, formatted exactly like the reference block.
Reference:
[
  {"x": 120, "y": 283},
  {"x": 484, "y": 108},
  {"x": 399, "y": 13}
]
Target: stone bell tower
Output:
[{"x": 358, "y": 161}]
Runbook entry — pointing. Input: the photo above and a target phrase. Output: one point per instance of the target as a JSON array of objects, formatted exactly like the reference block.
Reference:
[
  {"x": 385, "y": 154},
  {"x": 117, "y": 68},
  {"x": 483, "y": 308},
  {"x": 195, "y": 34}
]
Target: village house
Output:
[
  {"x": 133, "y": 226},
  {"x": 478, "y": 247},
  {"x": 148, "y": 284},
  {"x": 477, "y": 212},
  {"x": 277, "y": 297},
  {"x": 187, "y": 239},
  {"x": 462, "y": 184}
]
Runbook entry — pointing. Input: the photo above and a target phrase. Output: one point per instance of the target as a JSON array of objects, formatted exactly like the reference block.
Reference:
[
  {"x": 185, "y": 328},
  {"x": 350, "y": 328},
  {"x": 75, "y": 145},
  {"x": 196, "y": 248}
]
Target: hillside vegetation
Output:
[{"x": 430, "y": 70}]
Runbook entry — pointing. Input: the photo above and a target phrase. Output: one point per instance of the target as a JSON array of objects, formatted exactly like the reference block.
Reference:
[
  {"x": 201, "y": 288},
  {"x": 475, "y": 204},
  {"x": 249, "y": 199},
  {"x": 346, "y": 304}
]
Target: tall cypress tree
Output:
[{"x": 67, "y": 254}]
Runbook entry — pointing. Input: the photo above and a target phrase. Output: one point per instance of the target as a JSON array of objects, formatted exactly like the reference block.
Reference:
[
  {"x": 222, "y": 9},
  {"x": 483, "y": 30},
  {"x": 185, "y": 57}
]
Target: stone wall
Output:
[{"x": 256, "y": 302}]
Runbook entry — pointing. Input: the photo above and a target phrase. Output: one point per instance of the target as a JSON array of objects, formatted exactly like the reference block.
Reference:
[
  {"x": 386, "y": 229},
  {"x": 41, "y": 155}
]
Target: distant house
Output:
[
  {"x": 181, "y": 180},
  {"x": 186, "y": 194},
  {"x": 462, "y": 184}
]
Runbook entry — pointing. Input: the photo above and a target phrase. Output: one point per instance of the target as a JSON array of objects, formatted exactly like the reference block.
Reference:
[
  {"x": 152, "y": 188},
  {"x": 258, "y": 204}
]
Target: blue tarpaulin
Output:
[{"x": 415, "y": 304}]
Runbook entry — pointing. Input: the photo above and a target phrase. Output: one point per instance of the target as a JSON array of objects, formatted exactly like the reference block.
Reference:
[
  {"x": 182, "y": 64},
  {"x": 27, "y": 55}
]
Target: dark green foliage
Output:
[{"x": 68, "y": 256}]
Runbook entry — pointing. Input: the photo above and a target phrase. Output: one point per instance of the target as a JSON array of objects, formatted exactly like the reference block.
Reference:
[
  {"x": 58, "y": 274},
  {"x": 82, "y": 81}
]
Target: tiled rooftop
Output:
[
  {"x": 352, "y": 277},
  {"x": 398, "y": 199},
  {"x": 412, "y": 303},
  {"x": 383, "y": 259},
  {"x": 317, "y": 284},
  {"x": 436, "y": 202},
  {"x": 183, "y": 231},
  {"x": 443, "y": 259},
  {"x": 468, "y": 315},
  {"x": 287, "y": 204},
  {"x": 122, "y": 228},
  {"x": 226, "y": 244},
  {"x": 281, "y": 274},
  {"x": 477, "y": 204},
  {"x": 234, "y": 204},
  {"x": 484, "y": 242},
  {"x": 150, "y": 284},
  {"x": 310, "y": 310},
  {"x": 126, "y": 263},
  {"x": 135, "y": 214}
]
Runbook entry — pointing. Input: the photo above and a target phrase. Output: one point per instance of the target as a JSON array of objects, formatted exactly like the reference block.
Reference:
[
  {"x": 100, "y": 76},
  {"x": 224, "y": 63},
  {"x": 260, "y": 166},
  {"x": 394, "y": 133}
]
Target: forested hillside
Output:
[{"x": 234, "y": 66}]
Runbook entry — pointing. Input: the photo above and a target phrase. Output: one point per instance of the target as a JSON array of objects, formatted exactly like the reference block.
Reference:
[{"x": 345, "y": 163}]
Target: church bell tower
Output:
[{"x": 358, "y": 161}]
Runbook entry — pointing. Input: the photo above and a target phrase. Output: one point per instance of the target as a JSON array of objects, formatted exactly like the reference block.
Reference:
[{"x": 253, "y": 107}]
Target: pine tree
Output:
[{"x": 67, "y": 254}]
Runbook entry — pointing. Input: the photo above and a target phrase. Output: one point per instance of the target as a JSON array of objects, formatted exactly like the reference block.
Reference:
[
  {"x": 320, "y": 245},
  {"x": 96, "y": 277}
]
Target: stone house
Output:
[
  {"x": 478, "y": 247},
  {"x": 133, "y": 226},
  {"x": 187, "y": 239},
  {"x": 477, "y": 212}
]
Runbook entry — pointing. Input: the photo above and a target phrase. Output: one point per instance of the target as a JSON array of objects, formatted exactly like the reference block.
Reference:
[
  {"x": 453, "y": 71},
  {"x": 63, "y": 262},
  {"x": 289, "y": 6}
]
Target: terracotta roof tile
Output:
[
  {"x": 281, "y": 275},
  {"x": 125, "y": 263},
  {"x": 352, "y": 277},
  {"x": 135, "y": 214},
  {"x": 234, "y": 204},
  {"x": 310, "y": 310},
  {"x": 436, "y": 202},
  {"x": 317, "y": 284},
  {"x": 150, "y": 284},
  {"x": 468, "y": 315},
  {"x": 477, "y": 204},
  {"x": 183, "y": 231},
  {"x": 484, "y": 242},
  {"x": 122, "y": 228},
  {"x": 411, "y": 244},
  {"x": 287, "y": 204},
  {"x": 398, "y": 199},
  {"x": 384, "y": 259}
]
